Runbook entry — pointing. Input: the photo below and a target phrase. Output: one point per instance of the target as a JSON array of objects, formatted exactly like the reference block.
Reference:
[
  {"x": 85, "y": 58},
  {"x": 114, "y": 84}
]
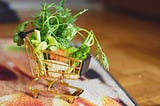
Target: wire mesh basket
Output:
[{"x": 54, "y": 68}]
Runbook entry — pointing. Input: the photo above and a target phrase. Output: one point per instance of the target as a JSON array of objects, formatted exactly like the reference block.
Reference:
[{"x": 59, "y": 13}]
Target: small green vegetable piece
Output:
[
  {"x": 18, "y": 40},
  {"x": 16, "y": 37},
  {"x": 52, "y": 40},
  {"x": 37, "y": 35},
  {"x": 82, "y": 52}
]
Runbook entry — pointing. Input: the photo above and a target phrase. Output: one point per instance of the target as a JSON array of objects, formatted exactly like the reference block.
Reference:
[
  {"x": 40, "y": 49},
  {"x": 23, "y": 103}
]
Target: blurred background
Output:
[
  {"x": 35, "y": 4},
  {"x": 142, "y": 8},
  {"x": 129, "y": 31}
]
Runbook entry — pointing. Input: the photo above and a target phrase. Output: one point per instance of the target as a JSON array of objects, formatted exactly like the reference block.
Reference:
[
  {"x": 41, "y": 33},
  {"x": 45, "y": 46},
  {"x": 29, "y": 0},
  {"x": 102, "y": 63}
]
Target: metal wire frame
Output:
[{"x": 53, "y": 68}]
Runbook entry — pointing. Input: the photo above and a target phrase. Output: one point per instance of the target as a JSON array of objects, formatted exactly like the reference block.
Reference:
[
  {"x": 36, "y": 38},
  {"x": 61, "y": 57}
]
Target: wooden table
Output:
[{"x": 133, "y": 48}]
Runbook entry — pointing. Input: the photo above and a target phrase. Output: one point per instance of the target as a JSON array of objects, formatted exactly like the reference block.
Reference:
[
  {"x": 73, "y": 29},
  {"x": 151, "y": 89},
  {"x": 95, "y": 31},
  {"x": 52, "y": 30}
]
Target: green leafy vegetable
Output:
[{"x": 56, "y": 30}]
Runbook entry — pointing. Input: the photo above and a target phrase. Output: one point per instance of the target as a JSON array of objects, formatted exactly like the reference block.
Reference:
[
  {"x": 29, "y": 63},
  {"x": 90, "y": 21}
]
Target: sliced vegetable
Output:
[
  {"x": 52, "y": 40},
  {"x": 37, "y": 35},
  {"x": 41, "y": 46}
]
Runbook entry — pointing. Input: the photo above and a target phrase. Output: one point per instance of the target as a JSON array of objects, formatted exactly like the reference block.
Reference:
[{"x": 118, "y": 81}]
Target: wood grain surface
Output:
[{"x": 132, "y": 45}]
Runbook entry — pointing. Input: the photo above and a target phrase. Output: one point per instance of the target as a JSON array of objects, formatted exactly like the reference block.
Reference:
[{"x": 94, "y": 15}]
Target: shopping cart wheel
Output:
[
  {"x": 70, "y": 100},
  {"x": 35, "y": 96}
]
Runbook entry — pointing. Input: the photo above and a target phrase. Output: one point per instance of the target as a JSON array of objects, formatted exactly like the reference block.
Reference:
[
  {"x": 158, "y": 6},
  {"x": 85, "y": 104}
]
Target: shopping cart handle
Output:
[{"x": 24, "y": 34}]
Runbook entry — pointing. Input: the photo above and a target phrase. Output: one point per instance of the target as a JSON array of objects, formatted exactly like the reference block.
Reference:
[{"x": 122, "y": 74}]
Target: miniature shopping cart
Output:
[{"x": 55, "y": 69}]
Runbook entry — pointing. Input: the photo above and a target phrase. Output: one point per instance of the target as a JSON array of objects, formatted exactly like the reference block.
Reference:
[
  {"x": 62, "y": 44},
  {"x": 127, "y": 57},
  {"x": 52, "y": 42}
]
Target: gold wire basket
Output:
[{"x": 54, "y": 68}]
